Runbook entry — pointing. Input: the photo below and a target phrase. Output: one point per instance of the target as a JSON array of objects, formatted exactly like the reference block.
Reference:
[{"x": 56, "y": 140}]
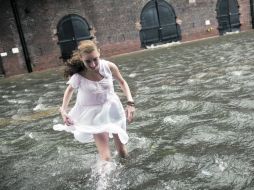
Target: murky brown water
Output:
[{"x": 193, "y": 127}]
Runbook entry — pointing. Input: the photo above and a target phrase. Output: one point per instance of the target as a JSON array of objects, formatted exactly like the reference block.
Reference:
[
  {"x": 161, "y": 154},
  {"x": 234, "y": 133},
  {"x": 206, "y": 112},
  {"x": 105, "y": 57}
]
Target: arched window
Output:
[
  {"x": 158, "y": 22},
  {"x": 71, "y": 29},
  {"x": 228, "y": 16}
]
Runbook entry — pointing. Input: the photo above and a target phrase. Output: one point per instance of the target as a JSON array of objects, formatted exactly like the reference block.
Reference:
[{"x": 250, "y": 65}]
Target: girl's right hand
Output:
[{"x": 66, "y": 118}]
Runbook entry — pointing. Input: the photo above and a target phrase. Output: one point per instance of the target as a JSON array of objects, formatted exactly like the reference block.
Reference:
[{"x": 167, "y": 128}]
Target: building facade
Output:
[{"x": 37, "y": 35}]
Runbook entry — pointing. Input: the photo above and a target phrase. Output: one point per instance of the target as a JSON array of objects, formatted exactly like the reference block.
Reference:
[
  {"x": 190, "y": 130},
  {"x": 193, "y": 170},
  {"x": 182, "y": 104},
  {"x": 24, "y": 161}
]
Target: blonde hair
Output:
[
  {"x": 73, "y": 65},
  {"x": 86, "y": 47}
]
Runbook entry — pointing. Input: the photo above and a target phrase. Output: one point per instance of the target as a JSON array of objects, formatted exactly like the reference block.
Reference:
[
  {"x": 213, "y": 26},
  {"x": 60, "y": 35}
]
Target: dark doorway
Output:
[
  {"x": 72, "y": 29},
  {"x": 252, "y": 11},
  {"x": 2, "y": 73},
  {"x": 158, "y": 22},
  {"x": 228, "y": 16}
]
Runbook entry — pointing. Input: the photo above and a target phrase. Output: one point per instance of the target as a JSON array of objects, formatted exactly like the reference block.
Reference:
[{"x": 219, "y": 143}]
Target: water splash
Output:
[
  {"x": 39, "y": 107},
  {"x": 101, "y": 175}
]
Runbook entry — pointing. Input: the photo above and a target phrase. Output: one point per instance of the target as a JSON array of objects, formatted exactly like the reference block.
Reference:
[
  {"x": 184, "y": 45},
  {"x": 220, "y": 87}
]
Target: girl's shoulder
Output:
[
  {"x": 75, "y": 80},
  {"x": 105, "y": 62},
  {"x": 105, "y": 66},
  {"x": 108, "y": 64},
  {"x": 76, "y": 75}
]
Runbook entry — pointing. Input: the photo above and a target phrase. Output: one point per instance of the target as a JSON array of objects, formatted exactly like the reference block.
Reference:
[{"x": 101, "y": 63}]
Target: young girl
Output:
[{"x": 98, "y": 113}]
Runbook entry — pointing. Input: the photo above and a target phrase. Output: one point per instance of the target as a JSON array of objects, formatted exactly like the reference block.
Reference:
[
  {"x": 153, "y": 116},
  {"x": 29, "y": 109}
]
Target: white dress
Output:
[{"x": 97, "y": 109}]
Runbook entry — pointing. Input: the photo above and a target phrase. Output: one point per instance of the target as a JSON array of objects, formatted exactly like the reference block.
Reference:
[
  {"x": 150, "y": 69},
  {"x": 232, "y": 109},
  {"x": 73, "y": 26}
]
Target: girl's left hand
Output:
[{"x": 130, "y": 113}]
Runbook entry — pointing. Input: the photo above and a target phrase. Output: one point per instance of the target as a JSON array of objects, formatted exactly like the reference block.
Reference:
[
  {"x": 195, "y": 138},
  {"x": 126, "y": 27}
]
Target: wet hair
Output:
[
  {"x": 74, "y": 65},
  {"x": 86, "y": 47}
]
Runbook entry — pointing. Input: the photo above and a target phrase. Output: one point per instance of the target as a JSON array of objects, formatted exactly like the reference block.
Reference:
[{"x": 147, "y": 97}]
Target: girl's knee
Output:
[{"x": 102, "y": 143}]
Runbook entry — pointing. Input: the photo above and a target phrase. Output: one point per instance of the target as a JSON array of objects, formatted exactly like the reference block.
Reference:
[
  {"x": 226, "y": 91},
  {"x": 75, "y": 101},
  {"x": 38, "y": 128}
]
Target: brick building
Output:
[{"x": 37, "y": 35}]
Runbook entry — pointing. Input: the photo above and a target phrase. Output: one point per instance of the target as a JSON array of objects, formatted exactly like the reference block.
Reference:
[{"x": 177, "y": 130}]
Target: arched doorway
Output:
[
  {"x": 2, "y": 73},
  {"x": 158, "y": 22},
  {"x": 252, "y": 11},
  {"x": 228, "y": 16},
  {"x": 71, "y": 29}
]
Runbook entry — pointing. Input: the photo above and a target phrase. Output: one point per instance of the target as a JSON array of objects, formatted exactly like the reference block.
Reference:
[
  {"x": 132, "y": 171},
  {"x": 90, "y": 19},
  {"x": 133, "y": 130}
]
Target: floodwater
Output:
[{"x": 193, "y": 128}]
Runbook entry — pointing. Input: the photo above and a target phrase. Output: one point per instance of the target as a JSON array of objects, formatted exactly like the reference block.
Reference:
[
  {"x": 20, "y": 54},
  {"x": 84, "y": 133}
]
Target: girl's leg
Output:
[
  {"x": 120, "y": 147},
  {"x": 102, "y": 144}
]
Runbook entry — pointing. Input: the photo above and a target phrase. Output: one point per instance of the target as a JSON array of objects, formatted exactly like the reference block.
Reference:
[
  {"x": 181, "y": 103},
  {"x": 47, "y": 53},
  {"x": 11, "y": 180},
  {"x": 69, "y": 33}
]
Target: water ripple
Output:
[{"x": 193, "y": 126}]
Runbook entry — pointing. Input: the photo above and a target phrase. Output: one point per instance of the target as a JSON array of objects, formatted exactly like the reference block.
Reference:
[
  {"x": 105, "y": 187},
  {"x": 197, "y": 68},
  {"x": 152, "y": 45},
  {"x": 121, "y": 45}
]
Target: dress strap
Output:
[{"x": 104, "y": 68}]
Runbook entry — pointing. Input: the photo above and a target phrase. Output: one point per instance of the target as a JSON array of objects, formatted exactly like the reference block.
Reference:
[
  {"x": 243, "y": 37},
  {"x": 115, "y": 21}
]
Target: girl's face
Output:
[{"x": 91, "y": 60}]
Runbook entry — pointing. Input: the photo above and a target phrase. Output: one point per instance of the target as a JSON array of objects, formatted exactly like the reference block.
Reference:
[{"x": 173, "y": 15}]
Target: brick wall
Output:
[
  {"x": 245, "y": 17},
  {"x": 13, "y": 63},
  {"x": 113, "y": 20}
]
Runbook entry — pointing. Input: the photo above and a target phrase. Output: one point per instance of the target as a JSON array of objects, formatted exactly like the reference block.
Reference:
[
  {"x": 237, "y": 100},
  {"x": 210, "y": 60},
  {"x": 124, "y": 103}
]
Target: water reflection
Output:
[{"x": 193, "y": 126}]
